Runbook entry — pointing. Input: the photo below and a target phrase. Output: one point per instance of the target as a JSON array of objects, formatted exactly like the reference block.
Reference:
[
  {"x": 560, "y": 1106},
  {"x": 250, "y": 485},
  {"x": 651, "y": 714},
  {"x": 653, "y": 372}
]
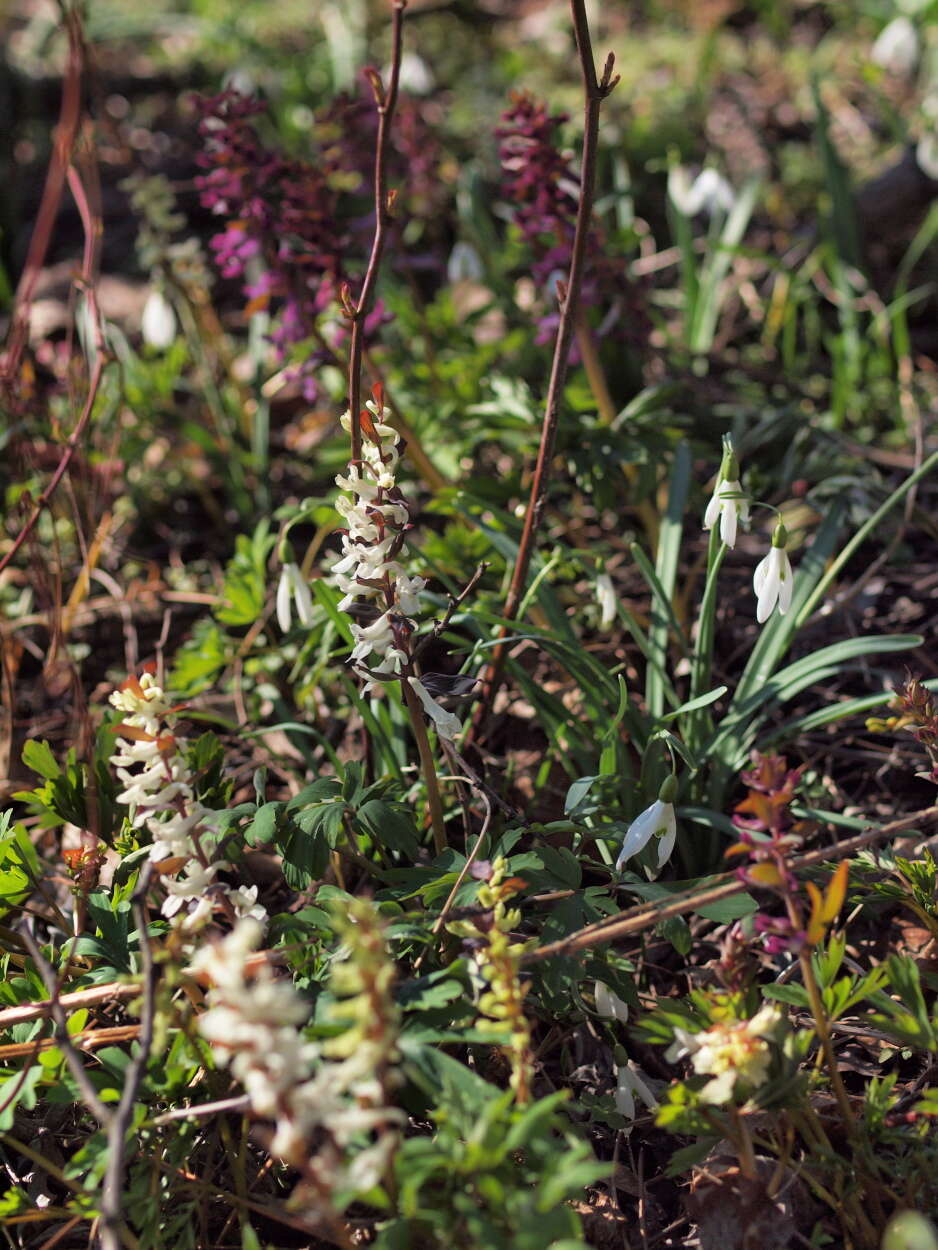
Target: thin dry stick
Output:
[
  {"x": 386, "y": 102},
  {"x": 112, "y": 1217},
  {"x": 596, "y": 91},
  {"x": 76, "y": 999},
  {"x": 239, "y": 1103},
  {"x": 65, "y": 134},
  {"x": 92, "y": 229},
  {"x": 641, "y": 917}
]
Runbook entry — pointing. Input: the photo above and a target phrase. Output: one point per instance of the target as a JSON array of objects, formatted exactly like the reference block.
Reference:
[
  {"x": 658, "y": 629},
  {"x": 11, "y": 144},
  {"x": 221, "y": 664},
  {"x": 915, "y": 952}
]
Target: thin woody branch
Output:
[
  {"x": 386, "y": 101},
  {"x": 595, "y": 91},
  {"x": 643, "y": 916}
]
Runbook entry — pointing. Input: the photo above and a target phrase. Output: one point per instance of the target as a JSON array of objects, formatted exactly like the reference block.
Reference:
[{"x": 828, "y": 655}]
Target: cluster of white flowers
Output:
[
  {"x": 377, "y": 516},
  {"x": 736, "y": 1054},
  {"x": 158, "y": 788},
  {"x": 253, "y": 1024},
  {"x": 773, "y": 579}
]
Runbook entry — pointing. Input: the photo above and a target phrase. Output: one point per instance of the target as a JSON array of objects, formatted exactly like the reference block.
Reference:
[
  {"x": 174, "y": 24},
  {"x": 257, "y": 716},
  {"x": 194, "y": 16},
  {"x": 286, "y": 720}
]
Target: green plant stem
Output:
[
  {"x": 822, "y": 1028},
  {"x": 427, "y": 766},
  {"x": 743, "y": 1142}
]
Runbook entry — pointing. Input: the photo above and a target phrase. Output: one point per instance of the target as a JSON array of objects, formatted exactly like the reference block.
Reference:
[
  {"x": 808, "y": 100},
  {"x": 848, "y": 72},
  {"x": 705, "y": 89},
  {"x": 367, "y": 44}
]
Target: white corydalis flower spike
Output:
[
  {"x": 657, "y": 820},
  {"x": 728, "y": 504},
  {"x": 773, "y": 579}
]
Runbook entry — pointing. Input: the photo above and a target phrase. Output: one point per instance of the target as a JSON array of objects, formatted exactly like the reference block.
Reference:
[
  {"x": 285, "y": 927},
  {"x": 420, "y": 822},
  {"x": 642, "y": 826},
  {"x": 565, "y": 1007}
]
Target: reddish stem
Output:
[
  {"x": 386, "y": 102},
  {"x": 596, "y": 91}
]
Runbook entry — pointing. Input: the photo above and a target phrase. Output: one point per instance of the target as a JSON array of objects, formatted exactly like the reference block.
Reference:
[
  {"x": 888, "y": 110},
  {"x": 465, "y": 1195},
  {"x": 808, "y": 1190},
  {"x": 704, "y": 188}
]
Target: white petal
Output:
[
  {"x": 728, "y": 517},
  {"x": 158, "y": 323},
  {"x": 667, "y": 840},
  {"x": 766, "y": 585},
  {"x": 609, "y": 1004},
  {"x": 640, "y": 832},
  {"x": 446, "y": 724},
  {"x": 625, "y": 1096},
  {"x": 283, "y": 601},
  {"x": 786, "y": 584},
  {"x": 761, "y": 573},
  {"x": 303, "y": 600},
  {"x": 713, "y": 509},
  {"x": 641, "y": 1088}
]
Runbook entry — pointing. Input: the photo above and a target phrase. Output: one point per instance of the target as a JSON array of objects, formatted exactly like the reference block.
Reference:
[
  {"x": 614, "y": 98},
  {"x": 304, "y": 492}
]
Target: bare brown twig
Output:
[
  {"x": 89, "y": 1095},
  {"x": 91, "y": 223},
  {"x": 646, "y": 914},
  {"x": 65, "y": 134},
  {"x": 596, "y": 90},
  {"x": 386, "y": 101},
  {"x": 112, "y": 1218}
]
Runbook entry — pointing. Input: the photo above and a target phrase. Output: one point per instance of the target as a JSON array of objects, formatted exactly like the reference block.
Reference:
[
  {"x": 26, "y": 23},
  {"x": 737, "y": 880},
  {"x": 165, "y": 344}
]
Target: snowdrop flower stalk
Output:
[
  {"x": 728, "y": 504},
  {"x": 773, "y": 578},
  {"x": 337, "y": 1091},
  {"x": 656, "y": 821},
  {"x": 150, "y": 760}
]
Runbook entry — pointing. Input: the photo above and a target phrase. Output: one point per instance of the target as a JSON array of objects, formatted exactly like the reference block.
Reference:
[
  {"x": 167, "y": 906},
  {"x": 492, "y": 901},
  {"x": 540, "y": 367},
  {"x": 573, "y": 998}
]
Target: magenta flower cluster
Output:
[
  {"x": 543, "y": 191},
  {"x": 306, "y": 225},
  {"x": 281, "y": 211}
]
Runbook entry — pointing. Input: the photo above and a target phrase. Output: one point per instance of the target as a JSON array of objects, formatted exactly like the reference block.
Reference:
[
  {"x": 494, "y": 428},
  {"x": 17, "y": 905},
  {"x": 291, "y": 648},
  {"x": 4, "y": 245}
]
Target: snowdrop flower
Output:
[
  {"x": 606, "y": 598},
  {"x": 708, "y": 193},
  {"x": 158, "y": 322},
  {"x": 464, "y": 264},
  {"x": 731, "y": 1053},
  {"x": 728, "y": 501},
  {"x": 292, "y": 589},
  {"x": 773, "y": 578},
  {"x": 655, "y": 821},
  {"x": 897, "y": 47},
  {"x": 629, "y": 1082},
  {"x": 446, "y": 724},
  {"x": 609, "y": 1004}
]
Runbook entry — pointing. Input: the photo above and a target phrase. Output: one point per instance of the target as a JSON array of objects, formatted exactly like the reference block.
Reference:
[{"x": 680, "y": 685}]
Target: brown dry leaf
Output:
[{"x": 735, "y": 1212}]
